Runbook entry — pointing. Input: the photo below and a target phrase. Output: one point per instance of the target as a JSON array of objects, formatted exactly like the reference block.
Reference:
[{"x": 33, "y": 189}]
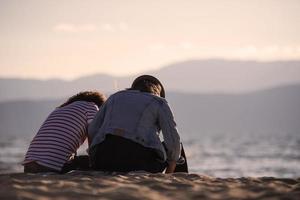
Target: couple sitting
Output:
[{"x": 123, "y": 135}]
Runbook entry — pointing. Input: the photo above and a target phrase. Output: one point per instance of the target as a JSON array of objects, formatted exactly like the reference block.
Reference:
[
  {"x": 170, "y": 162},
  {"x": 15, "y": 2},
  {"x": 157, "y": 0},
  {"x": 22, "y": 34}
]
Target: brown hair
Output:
[
  {"x": 90, "y": 96},
  {"x": 150, "y": 84}
]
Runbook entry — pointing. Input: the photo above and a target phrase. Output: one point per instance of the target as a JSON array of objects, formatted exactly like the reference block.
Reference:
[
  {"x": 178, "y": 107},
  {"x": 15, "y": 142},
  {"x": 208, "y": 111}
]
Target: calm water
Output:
[{"x": 220, "y": 156}]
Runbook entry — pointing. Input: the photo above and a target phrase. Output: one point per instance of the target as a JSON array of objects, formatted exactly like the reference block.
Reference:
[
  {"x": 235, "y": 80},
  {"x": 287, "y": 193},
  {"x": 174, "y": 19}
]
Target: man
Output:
[{"x": 125, "y": 132}]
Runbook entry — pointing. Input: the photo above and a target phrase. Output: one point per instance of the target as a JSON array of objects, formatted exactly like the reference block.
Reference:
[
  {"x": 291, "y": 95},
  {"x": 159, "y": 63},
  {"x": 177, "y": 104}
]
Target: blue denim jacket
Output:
[{"x": 137, "y": 116}]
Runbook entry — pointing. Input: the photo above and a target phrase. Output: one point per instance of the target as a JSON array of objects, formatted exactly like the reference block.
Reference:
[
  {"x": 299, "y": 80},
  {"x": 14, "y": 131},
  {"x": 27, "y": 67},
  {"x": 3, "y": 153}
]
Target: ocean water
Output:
[
  {"x": 221, "y": 155},
  {"x": 245, "y": 155}
]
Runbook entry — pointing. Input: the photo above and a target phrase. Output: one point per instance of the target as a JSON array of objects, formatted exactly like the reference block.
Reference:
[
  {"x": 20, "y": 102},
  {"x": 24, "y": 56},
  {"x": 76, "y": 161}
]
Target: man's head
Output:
[
  {"x": 90, "y": 96},
  {"x": 150, "y": 84}
]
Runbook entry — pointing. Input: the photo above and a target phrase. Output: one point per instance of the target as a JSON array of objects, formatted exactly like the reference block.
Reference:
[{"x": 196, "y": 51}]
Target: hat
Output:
[{"x": 151, "y": 79}]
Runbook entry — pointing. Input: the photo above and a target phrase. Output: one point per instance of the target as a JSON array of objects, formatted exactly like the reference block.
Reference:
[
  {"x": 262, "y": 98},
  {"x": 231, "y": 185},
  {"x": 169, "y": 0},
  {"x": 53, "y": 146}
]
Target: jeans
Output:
[{"x": 116, "y": 153}]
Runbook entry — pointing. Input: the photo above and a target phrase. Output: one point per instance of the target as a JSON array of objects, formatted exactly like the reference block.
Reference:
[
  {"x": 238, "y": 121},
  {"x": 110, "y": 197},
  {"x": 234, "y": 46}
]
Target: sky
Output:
[{"x": 72, "y": 38}]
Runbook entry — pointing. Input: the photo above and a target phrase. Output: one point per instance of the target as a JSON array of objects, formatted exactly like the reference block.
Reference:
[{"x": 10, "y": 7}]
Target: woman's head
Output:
[
  {"x": 150, "y": 84},
  {"x": 90, "y": 96}
]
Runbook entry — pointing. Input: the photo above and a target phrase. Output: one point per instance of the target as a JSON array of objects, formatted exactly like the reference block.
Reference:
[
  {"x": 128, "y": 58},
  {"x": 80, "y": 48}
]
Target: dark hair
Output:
[
  {"x": 95, "y": 97},
  {"x": 148, "y": 83}
]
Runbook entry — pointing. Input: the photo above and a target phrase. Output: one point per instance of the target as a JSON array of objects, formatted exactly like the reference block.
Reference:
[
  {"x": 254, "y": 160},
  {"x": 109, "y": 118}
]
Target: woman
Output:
[
  {"x": 125, "y": 132},
  {"x": 59, "y": 137}
]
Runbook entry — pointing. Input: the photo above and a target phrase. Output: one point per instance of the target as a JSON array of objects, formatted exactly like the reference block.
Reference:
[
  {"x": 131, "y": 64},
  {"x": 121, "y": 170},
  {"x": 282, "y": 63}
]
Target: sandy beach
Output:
[{"x": 140, "y": 185}]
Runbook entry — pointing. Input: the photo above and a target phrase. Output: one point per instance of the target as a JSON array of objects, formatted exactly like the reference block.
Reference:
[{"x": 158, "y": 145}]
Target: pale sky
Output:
[{"x": 72, "y": 38}]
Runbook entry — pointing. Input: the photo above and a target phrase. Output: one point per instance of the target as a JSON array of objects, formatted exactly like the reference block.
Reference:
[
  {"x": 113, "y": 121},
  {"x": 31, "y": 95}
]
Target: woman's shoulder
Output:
[{"x": 85, "y": 105}]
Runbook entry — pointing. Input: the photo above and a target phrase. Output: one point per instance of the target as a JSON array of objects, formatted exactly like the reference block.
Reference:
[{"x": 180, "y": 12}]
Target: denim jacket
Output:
[{"x": 137, "y": 116}]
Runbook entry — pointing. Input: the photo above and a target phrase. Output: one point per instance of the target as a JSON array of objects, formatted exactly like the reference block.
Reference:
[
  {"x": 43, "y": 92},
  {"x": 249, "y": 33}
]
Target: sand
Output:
[{"x": 141, "y": 185}]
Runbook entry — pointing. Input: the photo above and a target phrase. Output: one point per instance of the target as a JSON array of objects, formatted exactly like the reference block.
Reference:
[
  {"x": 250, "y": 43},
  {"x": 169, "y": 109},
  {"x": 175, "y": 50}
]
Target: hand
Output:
[{"x": 171, "y": 167}]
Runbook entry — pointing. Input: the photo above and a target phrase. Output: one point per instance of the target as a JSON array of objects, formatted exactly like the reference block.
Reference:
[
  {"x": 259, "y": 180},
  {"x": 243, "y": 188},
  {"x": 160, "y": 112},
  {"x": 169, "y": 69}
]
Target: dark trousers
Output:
[
  {"x": 122, "y": 155},
  {"x": 115, "y": 154},
  {"x": 78, "y": 163},
  {"x": 81, "y": 162},
  {"x": 34, "y": 167}
]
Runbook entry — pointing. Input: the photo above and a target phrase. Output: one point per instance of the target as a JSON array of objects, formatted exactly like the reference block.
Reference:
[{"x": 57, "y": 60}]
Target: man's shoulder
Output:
[
  {"x": 139, "y": 94},
  {"x": 160, "y": 99}
]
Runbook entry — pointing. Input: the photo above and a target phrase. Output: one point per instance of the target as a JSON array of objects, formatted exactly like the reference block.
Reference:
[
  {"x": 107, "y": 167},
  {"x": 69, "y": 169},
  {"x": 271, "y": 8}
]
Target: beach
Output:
[{"x": 142, "y": 185}]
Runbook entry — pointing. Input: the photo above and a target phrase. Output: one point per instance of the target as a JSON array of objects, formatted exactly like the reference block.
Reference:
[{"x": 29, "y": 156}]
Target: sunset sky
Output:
[{"x": 72, "y": 38}]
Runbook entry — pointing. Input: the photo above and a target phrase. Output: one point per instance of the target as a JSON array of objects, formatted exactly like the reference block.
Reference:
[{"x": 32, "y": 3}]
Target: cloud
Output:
[
  {"x": 108, "y": 27},
  {"x": 75, "y": 28},
  {"x": 188, "y": 49},
  {"x": 180, "y": 46},
  {"x": 268, "y": 52},
  {"x": 157, "y": 46},
  {"x": 65, "y": 27},
  {"x": 122, "y": 26},
  {"x": 186, "y": 45}
]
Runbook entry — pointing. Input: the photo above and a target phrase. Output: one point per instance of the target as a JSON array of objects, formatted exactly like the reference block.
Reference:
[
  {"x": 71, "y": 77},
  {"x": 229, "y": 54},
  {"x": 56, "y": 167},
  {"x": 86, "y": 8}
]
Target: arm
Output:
[
  {"x": 96, "y": 124},
  {"x": 170, "y": 135},
  {"x": 91, "y": 113}
]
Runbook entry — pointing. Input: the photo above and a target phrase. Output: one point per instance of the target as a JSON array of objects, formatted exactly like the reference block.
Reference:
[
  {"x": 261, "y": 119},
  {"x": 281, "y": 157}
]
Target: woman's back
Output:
[{"x": 64, "y": 130}]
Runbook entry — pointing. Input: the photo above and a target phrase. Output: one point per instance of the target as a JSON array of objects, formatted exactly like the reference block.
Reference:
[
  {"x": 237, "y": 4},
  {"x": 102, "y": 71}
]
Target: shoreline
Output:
[{"x": 141, "y": 185}]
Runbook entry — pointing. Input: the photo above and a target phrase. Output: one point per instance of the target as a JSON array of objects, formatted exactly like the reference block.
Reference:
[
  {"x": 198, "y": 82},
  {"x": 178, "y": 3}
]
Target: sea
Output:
[{"x": 217, "y": 155}]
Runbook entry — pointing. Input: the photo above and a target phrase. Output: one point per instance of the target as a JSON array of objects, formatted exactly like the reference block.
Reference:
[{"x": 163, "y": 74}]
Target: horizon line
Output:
[{"x": 149, "y": 71}]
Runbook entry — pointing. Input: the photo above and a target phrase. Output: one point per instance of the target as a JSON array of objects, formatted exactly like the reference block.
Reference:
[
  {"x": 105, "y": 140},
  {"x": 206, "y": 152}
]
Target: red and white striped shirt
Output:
[{"x": 64, "y": 130}]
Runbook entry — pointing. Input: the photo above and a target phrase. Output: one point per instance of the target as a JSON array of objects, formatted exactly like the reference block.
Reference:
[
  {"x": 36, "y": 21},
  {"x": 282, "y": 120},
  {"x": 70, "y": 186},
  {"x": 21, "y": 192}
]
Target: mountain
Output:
[
  {"x": 195, "y": 76},
  {"x": 227, "y": 76},
  {"x": 275, "y": 111},
  {"x": 28, "y": 89},
  {"x": 24, "y": 117}
]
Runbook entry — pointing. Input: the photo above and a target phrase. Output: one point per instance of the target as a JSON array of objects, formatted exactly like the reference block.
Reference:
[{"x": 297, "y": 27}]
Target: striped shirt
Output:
[{"x": 59, "y": 137}]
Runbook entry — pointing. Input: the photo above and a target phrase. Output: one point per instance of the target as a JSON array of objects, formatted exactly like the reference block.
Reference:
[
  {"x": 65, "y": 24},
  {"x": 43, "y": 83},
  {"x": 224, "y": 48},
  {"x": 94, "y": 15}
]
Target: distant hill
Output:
[
  {"x": 275, "y": 111},
  {"x": 27, "y": 89},
  {"x": 24, "y": 117},
  {"x": 228, "y": 76},
  {"x": 196, "y": 76}
]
